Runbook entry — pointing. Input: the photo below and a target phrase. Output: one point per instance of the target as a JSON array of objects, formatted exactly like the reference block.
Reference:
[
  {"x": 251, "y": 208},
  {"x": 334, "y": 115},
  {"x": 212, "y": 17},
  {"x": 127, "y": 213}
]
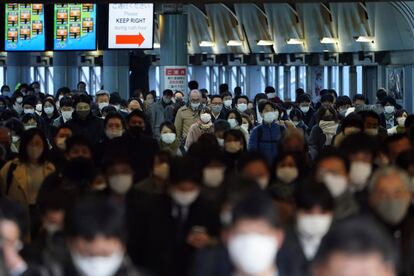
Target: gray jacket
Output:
[{"x": 159, "y": 113}]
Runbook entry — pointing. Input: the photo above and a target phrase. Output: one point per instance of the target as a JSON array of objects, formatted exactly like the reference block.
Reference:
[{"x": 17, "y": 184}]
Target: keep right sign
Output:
[{"x": 131, "y": 26}]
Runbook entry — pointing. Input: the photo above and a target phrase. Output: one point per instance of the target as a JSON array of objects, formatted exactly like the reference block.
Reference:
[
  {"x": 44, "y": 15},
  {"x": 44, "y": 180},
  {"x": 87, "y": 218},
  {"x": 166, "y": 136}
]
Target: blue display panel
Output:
[
  {"x": 24, "y": 27},
  {"x": 75, "y": 27}
]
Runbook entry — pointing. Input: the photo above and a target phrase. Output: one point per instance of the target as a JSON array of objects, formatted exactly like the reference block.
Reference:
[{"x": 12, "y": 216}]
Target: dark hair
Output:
[
  {"x": 296, "y": 113},
  {"x": 221, "y": 125},
  {"x": 111, "y": 158},
  {"x": 321, "y": 113},
  {"x": 242, "y": 97},
  {"x": 169, "y": 125},
  {"x": 26, "y": 137},
  {"x": 238, "y": 135},
  {"x": 237, "y": 90},
  {"x": 359, "y": 142},
  {"x": 331, "y": 152},
  {"x": 29, "y": 100},
  {"x": 212, "y": 97},
  {"x": 262, "y": 105},
  {"x": 405, "y": 159},
  {"x": 356, "y": 236},
  {"x": 256, "y": 205},
  {"x": 238, "y": 116},
  {"x": 15, "y": 125},
  {"x": 13, "y": 211},
  {"x": 258, "y": 97},
  {"x": 327, "y": 98},
  {"x": 394, "y": 138},
  {"x": 342, "y": 100},
  {"x": 223, "y": 88},
  {"x": 251, "y": 156},
  {"x": 82, "y": 98},
  {"x": 390, "y": 100},
  {"x": 66, "y": 101},
  {"x": 269, "y": 89},
  {"x": 304, "y": 99},
  {"x": 185, "y": 168},
  {"x": 114, "y": 115},
  {"x": 360, "y": 97},
  {"x": 226, "y": 94},
  {"x": 352, "y": 120},
  {"x": 77, "y": 140},
  {"x": 409, "y": 122},
  {"x": 369, "y": 114},
  {"x": 310, "y": 195},
  {"x": 141, "y": 114},
  {"x": 62, "y": 90},
  {"x": 381, "y": 94},
  {"x": 301, "y": 164},
  {"x": 192, "y": 85},
  {"x": 27, "y": 117},
  {"x": 95, "y": 216},
  {"x": 52, "y": 102}
]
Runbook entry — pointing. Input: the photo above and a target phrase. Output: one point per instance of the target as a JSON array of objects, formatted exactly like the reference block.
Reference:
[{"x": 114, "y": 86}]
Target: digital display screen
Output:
[
  {"x": 24, "y": 27},
  {"x": 75, "y": 27}
]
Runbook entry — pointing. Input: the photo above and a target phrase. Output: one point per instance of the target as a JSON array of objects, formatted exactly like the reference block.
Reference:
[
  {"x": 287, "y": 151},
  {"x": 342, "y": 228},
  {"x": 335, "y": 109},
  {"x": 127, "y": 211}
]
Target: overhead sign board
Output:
[
  {"x": 174, "y": 78},
  {"x": 131, "y": 26}
]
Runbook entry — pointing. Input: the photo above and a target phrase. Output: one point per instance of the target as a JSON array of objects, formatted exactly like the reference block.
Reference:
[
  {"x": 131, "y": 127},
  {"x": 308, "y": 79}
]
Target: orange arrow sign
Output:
[{"x": 130, "y": 39}]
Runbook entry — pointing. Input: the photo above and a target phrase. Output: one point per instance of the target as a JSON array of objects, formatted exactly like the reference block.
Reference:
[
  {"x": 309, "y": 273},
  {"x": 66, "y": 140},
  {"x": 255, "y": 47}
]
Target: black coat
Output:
[
  {"x": 158, "y": 242},
  {"x": 91, "y": 128}
]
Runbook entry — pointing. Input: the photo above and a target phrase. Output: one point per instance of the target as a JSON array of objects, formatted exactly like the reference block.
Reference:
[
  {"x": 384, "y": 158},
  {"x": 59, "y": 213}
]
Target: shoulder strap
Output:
[{"x": 9, "y": 178}]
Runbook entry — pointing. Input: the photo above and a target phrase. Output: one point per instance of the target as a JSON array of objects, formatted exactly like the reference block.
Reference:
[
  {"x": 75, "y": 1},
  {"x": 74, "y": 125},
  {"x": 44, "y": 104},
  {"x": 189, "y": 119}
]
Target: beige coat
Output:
[
  {"x": 184, "y": 119},
  {"x": 18, "y": 189}
]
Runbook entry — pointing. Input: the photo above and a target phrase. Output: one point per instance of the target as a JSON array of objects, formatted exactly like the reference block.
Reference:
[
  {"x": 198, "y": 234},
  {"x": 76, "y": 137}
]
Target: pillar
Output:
[
  {"x": 65, "y": 69},
  {"x": 352, "y": 81},
  {"x": 116, "y": 72},
  {"x": 173, "y": 52},
  {"x": 18, "y": 68}
]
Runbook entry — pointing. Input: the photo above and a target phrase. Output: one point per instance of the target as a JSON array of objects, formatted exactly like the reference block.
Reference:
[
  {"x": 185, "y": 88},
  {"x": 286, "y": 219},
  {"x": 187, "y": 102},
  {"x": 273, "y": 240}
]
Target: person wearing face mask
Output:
[
  {"x": 156, "y": 183},
  {"x": 178, "y": 103},
  {"x": 181, "y": 220},
  {"x": 390, "y": 197},
  {"x": 66, "y": 111},
  {"x": 314, "y": 216},
  {"x": 227, "y": 101},
  {"x": 119, "y": 177},
  {"x": 255, "y": 237},
  {"x": 5, "y": 90},
  {"x": 332, "y": 169},
  {"x": 350, "y": 125},
  {"x": 29, "y": 104},
  {"x": 57, "y": 153},
  {"x": 83, "y": 122},
  {"x": 266, "y": 137},
  {"x": 372, "y": 125},
  {"x": 203, "y": 125},
  {"x": 234, "y": 146},
  {"x": 305, "y": 105},
  {"x": 17, "y": 101},
  {"x": 96, "y": 238},
  {"x": 149, "y": 99},
  {"x": 254, "y": 166},
  {"x": 213, "y": 178},
  {"x": 168, "y": 139},
  {"x": 388, "y": 116},
  {"x": 217, "y": 109},
  {"x": 160, "y": 112},
  {"x": 101, "y": 100},
  {"x": 400, "y": 117},
  {"x": 322, "y": 133},
  {"x": 22, "y": 177},
  {"x": 49, "y": 115},
  {"x": 241, "y": 104},
  {"x": 36, "y": 89},
  {"x": 296, "y": 117},
  {"x": 235, "y": 121},
  {"x": 342, "y": 104},
  {"x": 289, "y": 166},
  {"x": 188, "y": 115}
]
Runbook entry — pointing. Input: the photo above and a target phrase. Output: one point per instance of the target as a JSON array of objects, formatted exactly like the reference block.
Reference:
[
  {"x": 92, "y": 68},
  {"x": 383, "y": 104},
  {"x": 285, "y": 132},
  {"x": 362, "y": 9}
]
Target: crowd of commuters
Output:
[{"x": 197, "y": 184}]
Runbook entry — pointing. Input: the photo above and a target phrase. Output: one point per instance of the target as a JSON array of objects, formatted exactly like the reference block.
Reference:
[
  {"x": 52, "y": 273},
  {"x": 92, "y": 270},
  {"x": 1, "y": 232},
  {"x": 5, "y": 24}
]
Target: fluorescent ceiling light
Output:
[
  {"x": 265, "y": 43},
  {"x": 207, "y": 44},
  {"x": 365, "y": 39},
  {"x": 156, "y": 45},
  {"x": 295, "y": 41},
  {"x": 329, "y": 40},
  {"x": 234, "y": 43}
]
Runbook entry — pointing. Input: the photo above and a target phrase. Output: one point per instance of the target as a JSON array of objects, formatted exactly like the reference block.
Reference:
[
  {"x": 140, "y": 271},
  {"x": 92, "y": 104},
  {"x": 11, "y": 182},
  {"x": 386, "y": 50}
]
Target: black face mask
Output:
[{"x": 136, "y": 130}]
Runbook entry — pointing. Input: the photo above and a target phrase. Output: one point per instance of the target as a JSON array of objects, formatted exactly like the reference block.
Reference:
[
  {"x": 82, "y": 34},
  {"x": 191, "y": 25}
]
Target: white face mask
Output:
[
  {"x": 98, "y": 266},
  {"x": 120, "y": 183},
  {"x": 162, "y": 171},
  {"x": 232, "y": 147},
  {"x": 168, "y": 138},
  {"x": 389, "y": 109},
  {"x": 61, "y": 143},
  {"x": 102, "y": 105},
  {"x": 263, "y": 182},
  {"x": 392, "y": 211},
  {"x": 67, "y": 115},
  {"x": 19, "y": 100},
  {"x": 111, "y": 134},
  {"x": 28, "y": 111},
  {"x": 245, "y": 127},
  {"x": 371, "y": 131},
  {"x": 220, "y": 141},
  {"x": 313, "y": 226},
  {"x": 195, "y": 106},
  {"x": 233, "y": 123},
  {"x": 27, "y": 127},
  {"x": 401, "y": 121},
  {"x": 15, "y": 139},
  {"x": 253, "y": 253},
  {"x": 359, "y": 174},
  {"x": 336, "y": 184},
  {"x": 304, "y": 109},
  {"x": 52, "y": 228},
  {"x": 269, "y": 117},
  {"x": 287, "y": 174},
  {"x": 242, "y": 107},
  {"x": 49, "y": 110},
  {"x": 205, "y": 118},
  {"x": 227, "y": 103},
  {"x": 213, "y": 177},
  {"x": 184, "y": 198}
]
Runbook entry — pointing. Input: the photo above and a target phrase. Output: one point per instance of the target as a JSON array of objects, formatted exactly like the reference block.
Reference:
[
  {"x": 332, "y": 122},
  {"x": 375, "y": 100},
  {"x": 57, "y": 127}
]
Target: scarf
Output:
[
  {"x": 171, "y": 148},
  {"x": 329, "y": 128},
  {"x": 205, "y": 127}
]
